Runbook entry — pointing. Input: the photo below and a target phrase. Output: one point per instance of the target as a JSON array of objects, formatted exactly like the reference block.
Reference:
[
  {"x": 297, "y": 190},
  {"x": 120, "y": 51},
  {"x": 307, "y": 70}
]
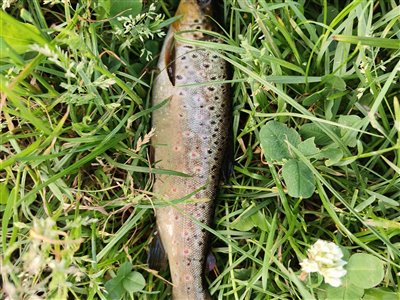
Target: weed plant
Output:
[{"x": 315, "y": 137}]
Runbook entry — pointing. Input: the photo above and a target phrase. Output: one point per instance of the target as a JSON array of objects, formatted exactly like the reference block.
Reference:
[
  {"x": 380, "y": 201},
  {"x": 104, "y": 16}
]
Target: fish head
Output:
[{"x": 194, "y": 13}]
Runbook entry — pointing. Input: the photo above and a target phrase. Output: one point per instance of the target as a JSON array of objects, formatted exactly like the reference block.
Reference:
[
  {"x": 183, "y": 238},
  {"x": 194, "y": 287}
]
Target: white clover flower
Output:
[
  {"x": 326, "y": 259},
  {"x": 7, "y": 3}
]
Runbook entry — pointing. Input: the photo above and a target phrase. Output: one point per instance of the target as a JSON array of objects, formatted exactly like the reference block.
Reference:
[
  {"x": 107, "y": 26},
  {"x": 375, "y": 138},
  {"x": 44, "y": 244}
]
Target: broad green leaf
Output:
[
  {"x": 126, "y": 7},
  {"x": 260, "y": 221},
  {"x": 345, "y": 292},
  {"x": 380, "y": 294},
  {"x": 124, "y": 269},
  {"x": 17, "y": 35},
  {"x": 115, "y": 286},
  {"x": 274, "y": 137},
  {"x": 4, "y": 193},
  {"x": 243, "y": 223},
  {"x": 134, "y": 282},
  {"x": 365, "y": 270},
  {"x": 308, "y": 147},
  {"x": 299, "y": 179},
  {"x": 335, "y": 83},
  {"x": 349, "y": 136},
  {"x": 333, "y": 155},
  {"x": 321, "y": 138},
  {"x": 315, "y": 97}
]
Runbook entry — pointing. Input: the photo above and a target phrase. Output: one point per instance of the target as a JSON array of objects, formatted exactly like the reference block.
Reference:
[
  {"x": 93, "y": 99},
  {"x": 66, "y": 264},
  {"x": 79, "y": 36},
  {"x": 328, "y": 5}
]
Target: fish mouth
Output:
[{"x": 193, "y": 12}]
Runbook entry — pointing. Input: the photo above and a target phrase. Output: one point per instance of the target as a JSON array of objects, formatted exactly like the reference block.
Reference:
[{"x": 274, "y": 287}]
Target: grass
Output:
[{"x": 75, "y": 176}]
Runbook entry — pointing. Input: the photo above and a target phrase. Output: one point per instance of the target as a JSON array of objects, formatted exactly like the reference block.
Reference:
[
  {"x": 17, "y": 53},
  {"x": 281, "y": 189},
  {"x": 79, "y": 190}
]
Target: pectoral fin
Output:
[
  {"x": 170, "y": 60},
  {"x": 157, "y": 258},
  {"x": 211, "y": 262}
]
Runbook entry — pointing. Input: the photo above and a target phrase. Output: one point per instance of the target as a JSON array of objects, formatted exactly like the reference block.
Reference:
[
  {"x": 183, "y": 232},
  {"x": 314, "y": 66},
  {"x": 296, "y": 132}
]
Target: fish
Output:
[{"x": 191, "y": 135}]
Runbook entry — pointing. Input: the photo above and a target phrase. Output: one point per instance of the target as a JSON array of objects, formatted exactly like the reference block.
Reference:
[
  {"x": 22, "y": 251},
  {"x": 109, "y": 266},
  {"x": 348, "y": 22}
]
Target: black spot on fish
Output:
[
  {"x": 211, "y": 88},
  {"x": 213, "y": 78},
  {"x": 206, "y": 65},
  {"x": 211, "y": 108},
  {"x": 188, "y": 47},
  {"x": 179, "y": 77},
  {"x": 195, "y": 56}
]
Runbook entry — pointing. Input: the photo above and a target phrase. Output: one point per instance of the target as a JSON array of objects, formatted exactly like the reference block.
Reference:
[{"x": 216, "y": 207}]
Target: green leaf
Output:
[
  {"x": 260, "y": 221},
  {"x": 335, "y": 83},
  {"x": 349, "y": 136},
  {"x": 331, "y": 13},
  {"x": 365, "y": 270},
  {"x": 380, "y": 294},
  {"x": 17, "y": 36},
  {"x": 308, "y": 147},
  {"x": 298, "y": 178},
  {"x": 4, "y": 193},
  {"x": 134, "y": 282},
  {"x": 369, "y": 41},
  {"x": 124, "y": 269},
  {"x": 321, "y": 138},
  {"x": 114, "y": 289},
  {"x": 115, "y": 286},
  {"x": 333, "y": 155},
  {"x": 274, "y": 137},
  {"x": 315, "y": 97},
  {"x": 243, "y": 223},
  {"x": 126, "y": 7},
  {"x": 344, "y": 292}
]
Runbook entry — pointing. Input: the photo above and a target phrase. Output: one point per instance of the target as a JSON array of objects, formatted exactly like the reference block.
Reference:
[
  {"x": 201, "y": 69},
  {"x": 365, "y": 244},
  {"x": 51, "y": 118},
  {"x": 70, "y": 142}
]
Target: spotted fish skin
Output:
[{"x": 190, "y": 137}]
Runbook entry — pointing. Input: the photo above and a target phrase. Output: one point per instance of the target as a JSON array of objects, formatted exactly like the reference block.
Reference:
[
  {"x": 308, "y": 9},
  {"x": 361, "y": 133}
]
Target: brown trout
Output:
[{"x": 191, "y": 133}]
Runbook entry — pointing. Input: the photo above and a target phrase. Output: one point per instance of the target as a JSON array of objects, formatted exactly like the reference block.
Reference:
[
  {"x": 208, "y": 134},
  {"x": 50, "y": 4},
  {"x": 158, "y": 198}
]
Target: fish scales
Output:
[{"x": 190, "y": 137}]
